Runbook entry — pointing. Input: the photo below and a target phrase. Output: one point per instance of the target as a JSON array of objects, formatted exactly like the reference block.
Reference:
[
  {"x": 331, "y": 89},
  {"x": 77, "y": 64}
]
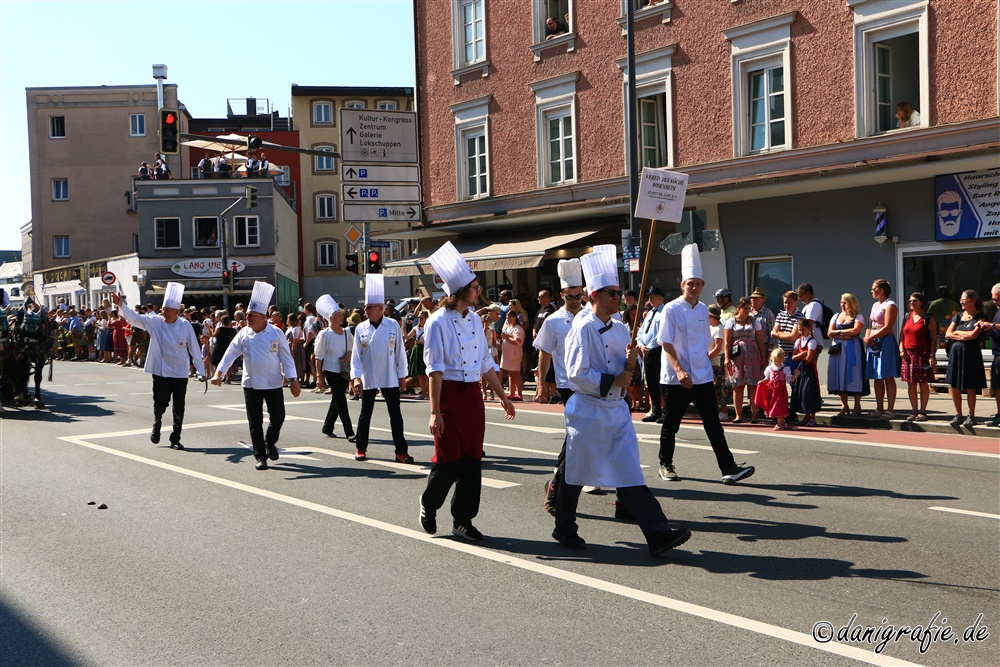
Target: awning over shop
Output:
[
  {"x": 491, "y": 254},
  {"x": 202, "y": 286}
]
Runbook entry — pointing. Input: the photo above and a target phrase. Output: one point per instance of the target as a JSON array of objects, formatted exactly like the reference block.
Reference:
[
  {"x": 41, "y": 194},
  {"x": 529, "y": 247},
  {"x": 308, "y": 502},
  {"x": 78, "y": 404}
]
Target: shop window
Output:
[
  {"x": 206, "y": 232},
  {"x": 771, "y": 274},
  {"x": 943, "y": 276},
  {"x": 167, "y": 233},
  {"x": 247, "y": 231}
]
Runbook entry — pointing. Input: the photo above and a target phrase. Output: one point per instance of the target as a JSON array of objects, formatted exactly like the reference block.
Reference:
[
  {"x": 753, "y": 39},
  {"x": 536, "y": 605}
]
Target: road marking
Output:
[
  {"x": 655, "y": 440},
  {"x": 535, "y": 429},
  {"x": 116, "y": 383},
  {"x": 969, "y": 512},
  {"x": 284, "y": 452},
  {"x": 707, "y": 613},
  {"x": 86, "y": 384},
  {"x": 142, "y": 393}
]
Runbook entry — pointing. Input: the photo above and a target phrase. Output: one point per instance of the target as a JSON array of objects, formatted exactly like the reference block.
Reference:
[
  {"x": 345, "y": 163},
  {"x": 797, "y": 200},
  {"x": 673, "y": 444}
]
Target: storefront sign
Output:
[
  {"x": 967, "y": 206},
  {"x": 204, "y": 268}
]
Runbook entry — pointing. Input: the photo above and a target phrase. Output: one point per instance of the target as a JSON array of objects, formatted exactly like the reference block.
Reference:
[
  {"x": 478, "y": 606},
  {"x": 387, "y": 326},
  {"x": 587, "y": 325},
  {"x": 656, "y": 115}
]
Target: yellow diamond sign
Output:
[{"x": 353, "y": 235}]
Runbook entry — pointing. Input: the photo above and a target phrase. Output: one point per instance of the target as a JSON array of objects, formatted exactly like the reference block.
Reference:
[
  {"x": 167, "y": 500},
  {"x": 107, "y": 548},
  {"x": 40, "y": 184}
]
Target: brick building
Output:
[{"x": 783, "y": 114}]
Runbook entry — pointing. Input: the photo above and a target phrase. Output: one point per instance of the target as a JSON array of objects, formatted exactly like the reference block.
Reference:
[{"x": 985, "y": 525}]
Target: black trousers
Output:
[
  {"x": 169, "y": 391},
  {"x": 639, "y": 500},
  {"x": 467, "y": 476},
  {"x": 254, "y": 399},
  {"x": 338, "y": 404},
  {"x": 651, "y": 365},
  {"x": 561, "y": 459},
  {"x": 676, "y": 400},
  {"x": 391, "y": 396}
]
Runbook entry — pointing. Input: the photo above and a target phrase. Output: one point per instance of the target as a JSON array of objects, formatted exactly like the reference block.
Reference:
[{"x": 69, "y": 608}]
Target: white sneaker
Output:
[
  {"x": 723, "y": 416},
  {"x": 594, "y": 490}
]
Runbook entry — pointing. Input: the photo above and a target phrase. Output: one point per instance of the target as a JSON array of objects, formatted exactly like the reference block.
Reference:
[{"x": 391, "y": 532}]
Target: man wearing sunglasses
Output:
[{"x": 551, "y": 345}]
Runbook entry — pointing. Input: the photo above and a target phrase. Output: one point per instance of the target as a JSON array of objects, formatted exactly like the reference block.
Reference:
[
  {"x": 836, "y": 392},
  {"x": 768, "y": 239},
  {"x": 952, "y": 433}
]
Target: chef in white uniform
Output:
[
  {"x": 686, "y": 373},
  {"x": 378, "y": 362},
  {"x": 267, "y": 363},
  {"x": 601, "y": 447},
  {"x": 551, "y": 345},
  {"x": 173, "y": 348}
]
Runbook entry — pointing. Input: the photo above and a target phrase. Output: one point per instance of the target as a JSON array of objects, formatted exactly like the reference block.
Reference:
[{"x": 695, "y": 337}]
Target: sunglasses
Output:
[
  {"x": 611, "y": 292},
  {"x": 573, "y": 297}
]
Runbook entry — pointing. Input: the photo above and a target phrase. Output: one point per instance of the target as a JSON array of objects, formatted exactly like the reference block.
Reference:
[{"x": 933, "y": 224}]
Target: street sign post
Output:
[
  {"x": 381, "y": 173},
  {"x": 375, "y": 243},
  {"x": 368, "y": 135},
  {"x": 354, "y": 212},
  {"x": 108, "y": 279},
  {"x": 383, "y": 192}
]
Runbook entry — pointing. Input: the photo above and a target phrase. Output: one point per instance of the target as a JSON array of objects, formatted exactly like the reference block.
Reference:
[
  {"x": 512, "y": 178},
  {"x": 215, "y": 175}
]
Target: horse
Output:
[{"x": 26, "y": 340}]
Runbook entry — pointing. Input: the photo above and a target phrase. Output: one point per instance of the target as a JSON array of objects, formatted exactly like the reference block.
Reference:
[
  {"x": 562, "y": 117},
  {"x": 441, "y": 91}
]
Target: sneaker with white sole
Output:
[
  {"x": 667, "y": 473},
  {"x": 428, "y": 519},
  {"x": 593, "y": 490},
  {"x": 467, "y": 532},
  {"x": 737, "y": 472}
]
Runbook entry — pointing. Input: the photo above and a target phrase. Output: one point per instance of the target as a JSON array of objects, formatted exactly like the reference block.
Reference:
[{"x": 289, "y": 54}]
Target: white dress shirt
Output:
[
  {"x": 455, "y": 346},
  {"x": 649, "y": 330},
  {"x": 551, "y": 339},
  {"x": 332, "y": 345},
  {"x": 378, "y": 356},
  {"x": 265, "y": 356},
  {"x": 686, "y": 327},
  {"x": 172, "y": 347}
]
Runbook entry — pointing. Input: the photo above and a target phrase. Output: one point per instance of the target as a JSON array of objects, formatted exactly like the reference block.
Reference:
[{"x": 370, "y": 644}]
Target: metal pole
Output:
[
  {"x": 367, "y": 227},
  {"x": 225, "y": 260},
  {"x": 632, "y": 148}
]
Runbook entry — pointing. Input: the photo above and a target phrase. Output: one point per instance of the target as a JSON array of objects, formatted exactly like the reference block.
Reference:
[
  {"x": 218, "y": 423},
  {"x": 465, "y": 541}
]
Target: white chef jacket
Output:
[
  {"x": 455, "y": 346},
  {"x": 551, "y": 339},
  {"x": 686, "y": 327},
  {"x": 601, "y": 445},
  {"x": 265, "y": 355},
  {"x": 379, "y": 356},
  {"x": 332, "y": 345},
  {"x": 172, "y": 347}
]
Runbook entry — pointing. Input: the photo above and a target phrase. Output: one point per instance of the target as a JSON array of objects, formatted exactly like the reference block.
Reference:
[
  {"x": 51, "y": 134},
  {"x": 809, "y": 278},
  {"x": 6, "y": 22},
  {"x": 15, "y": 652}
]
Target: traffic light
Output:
[
  {"x": 232, "y": 277},
  {"x": 170, "y": 132},
  {"x": 250, "y": 197},
  {"x": 227, "y": 280},
  {"x": 374, "y": 261},
  {"x": 352, "y": 263},
  {"x": 253, "y": 142}
]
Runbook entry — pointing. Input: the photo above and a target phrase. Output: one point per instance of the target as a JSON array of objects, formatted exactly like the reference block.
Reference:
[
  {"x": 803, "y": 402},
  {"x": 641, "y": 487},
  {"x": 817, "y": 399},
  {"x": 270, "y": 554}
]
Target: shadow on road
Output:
[
  {"x": 630, "y": 554},
  {"x": 778, "y": 568},
  {"x": 752, "y": 530},
  {"x": 61, "y": 408},
  {"x": 21, "y": 643}
]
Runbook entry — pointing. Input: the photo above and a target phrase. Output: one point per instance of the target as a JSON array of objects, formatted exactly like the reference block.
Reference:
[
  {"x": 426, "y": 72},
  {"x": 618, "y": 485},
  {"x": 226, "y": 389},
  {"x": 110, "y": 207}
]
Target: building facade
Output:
[
  {"x": 85, "y": 146},
  {"x": 783, "y": 115},
  {"x": 326, "y": 238}
]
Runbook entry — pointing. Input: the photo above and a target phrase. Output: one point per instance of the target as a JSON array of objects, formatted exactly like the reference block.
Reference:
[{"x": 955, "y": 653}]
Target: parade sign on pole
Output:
[{"x": 661, "y": 195}]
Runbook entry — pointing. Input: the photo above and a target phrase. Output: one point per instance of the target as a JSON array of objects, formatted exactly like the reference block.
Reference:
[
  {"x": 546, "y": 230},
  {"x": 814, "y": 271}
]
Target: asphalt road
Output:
[{"x": 200, "y": 559}]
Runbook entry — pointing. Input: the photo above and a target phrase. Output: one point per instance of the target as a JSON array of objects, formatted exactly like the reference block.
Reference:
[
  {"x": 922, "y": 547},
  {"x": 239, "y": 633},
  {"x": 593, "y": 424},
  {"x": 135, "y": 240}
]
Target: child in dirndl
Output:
[{"x": 772, "y": 394}]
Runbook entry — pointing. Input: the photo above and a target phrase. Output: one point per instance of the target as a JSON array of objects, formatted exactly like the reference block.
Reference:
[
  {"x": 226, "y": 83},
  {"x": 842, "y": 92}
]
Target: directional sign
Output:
[
  {"x": 384, "y": 213},
  {"x": 383, "y": 173},
  {"x": 375, "y": 243},
  {"x": 368, "y": 135},
  {"x": 382, "y": 192}
]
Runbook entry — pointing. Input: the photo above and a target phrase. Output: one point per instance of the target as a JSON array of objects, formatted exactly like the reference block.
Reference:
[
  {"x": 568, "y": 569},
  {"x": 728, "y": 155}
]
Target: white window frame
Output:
[
  {"x": 471, "y": 117},
  {"x": 52, "y": 134},
  {"x": 877, "y": 21},
  {"x": 134, "y": 121},
  {"x": 56, "y": 243},
  {"x": 653, "y": 76},
  {"x": 555, "y": 97},
  {"x": 393, "y": 253},
  {"x": 285, "y": 177},
  {"x": 355, "y": 104},
  {"x": 661, "y": 9},
  {"x": 194, "y": 231},
  {"x": 459, "y": 64},
  {"x": 156, "y": 233},
  {"x": 334, "y": 254},
  {"x": 248, "y": 222},
  {"x": 60, "y": 189},
  {"x": 539, "y": 43},
  {"x": 386, "y": 105},
  {"x": 333, "y": 206},
  {"x": 329, "y": 113},
  {"x": 754, "y": 46},
  {"x": 333, "y": 161}
]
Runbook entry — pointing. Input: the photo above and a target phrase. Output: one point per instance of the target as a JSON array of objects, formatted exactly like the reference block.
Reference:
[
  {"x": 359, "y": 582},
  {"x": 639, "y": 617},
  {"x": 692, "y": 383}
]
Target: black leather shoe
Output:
[
  {"x": 352, "y": 438},
  {"x": 569, "y": 541},
  {"x": 329, "y": 433},
  {"x": 272, "y": 451},
  {"x": 651, "y": 418},
  {"x": 176, "y": 445},
  {"x": 154, "y": 436},
  {"x": 674, "y": 538},
  {"x": 261, "y": 464}
]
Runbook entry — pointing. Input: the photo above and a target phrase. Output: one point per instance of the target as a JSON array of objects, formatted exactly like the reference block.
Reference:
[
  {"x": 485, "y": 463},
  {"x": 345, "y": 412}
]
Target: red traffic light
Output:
[
  {"x": 373, "y": 256},
  {"x": 170, "y": 119}
]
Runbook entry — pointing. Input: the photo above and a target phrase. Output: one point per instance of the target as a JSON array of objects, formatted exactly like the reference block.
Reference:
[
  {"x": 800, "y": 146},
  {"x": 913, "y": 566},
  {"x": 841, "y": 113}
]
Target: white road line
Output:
[
  {"x": 725, "y": 618},
  {"x": 969, "y": 512},
  {"x": 142, "y": 393},
  {"x": 116, "y": 383},
  {"x": 655, "y": 440},
  {"x": 86, "y": 384}
]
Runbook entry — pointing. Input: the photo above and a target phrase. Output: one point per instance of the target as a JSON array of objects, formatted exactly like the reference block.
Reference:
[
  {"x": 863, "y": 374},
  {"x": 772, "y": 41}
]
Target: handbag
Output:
[
  {"x": 345, "y": 366},
  {"x": 835, "y": 349},
  {"x": 735, "y": 351}
]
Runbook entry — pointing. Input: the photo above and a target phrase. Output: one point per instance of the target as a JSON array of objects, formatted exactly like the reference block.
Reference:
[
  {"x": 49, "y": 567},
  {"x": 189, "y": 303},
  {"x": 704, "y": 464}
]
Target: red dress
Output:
[
  {"x": 118, "y": 331},
  {"x": 771, "y": 393}
]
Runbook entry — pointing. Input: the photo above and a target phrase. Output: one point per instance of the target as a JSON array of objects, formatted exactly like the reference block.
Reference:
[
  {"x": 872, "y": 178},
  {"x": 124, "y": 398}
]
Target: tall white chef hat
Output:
[
  {"x": 260, "y": 298},
  {"x": 374, "y": 289},
  {"x": 600, "y": 267},
  {"x": 452, "y": 268},
  {"x": 570, "y": 273},
  {"x": 690, "y": 262},
  {"x": 326, "y": 306},
  {"x": 173, "y": 296}
]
